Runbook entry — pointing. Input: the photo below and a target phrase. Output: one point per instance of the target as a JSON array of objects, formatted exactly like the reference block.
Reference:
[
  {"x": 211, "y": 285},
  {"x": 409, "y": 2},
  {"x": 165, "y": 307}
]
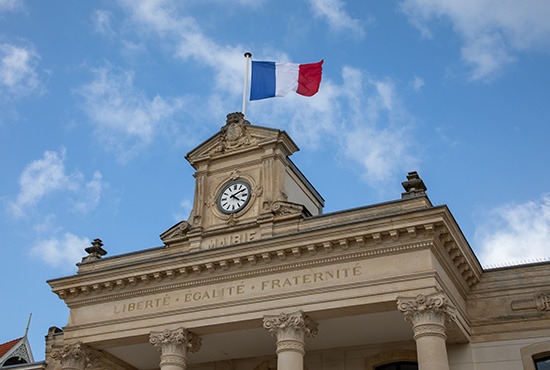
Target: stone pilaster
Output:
[
  {"x": 290, "y": 331},
  {"x": 76, "y": 356},
  {"x": 428, "y": 315},
  {"x": 174, "y": 346}
]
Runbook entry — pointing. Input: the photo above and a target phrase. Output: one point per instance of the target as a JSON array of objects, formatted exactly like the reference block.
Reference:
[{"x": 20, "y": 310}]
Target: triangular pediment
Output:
[
  {"x": 238, "y": 135},
  {"x": 15, "y": 352},
  {"x": 177, "y": 232}
]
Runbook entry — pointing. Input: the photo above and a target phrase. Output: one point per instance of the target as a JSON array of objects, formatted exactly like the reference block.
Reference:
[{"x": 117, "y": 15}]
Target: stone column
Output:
[
  {"x": 428, "y": 315},
  {"x": 76, "y": 356},
  {"x": 290, "y": 331},
  {"x": 174, "y": 346}
]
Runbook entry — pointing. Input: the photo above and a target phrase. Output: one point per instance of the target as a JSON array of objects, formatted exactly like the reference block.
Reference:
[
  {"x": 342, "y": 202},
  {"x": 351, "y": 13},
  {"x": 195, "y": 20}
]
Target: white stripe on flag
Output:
[{"x": 286, "y": 78}]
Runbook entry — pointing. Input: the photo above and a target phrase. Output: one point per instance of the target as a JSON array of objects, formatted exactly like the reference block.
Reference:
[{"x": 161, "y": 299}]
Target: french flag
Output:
[{"x": 270, "y": 79}]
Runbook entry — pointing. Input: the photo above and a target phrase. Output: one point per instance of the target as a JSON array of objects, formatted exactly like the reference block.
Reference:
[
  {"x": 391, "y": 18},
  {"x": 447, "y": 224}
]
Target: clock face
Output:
[{"x": 234, "y": 196}]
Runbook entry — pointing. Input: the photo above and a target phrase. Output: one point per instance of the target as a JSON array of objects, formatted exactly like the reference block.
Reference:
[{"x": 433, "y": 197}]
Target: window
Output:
[
  {"x": 402, "y": 366},
  {"x": 543, "y": 363},
  {"x": 536, "y": 356}
]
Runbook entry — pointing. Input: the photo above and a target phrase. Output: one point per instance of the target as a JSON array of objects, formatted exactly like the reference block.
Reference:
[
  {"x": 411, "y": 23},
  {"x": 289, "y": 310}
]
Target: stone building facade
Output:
[{"x": 258, "y": 278}]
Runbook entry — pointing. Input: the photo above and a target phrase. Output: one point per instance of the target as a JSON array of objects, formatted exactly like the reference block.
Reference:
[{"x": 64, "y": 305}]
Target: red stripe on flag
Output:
[{"x": 309, "y": 78}]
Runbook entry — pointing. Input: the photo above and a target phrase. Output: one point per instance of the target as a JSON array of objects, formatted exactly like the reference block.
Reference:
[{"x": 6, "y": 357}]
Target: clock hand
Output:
[
  {"x": 240, "y": 191},
  {"x": 234, "y": 195}
]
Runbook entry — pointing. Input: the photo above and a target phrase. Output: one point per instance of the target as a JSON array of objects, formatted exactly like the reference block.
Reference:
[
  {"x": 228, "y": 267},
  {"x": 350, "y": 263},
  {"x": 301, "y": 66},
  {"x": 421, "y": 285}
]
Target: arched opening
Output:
[
  {"x": 398, "y": 366},
  {"x": 401, "y": 359},
  {"x": 14, "y": 361}
]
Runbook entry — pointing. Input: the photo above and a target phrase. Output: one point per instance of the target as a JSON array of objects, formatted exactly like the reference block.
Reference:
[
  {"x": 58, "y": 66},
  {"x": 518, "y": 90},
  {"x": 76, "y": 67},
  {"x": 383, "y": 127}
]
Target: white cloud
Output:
[
  {"x": 124, "y": 117},
  {"x": 10, "y": 5},
  {"x": 363, "y": 116},
  {"x": 61, "y": 252},
  {"x": 382, "y": 153},
  {"x": 250, "y": 3},
  {"x": 336, "y": 16},
  {"x": 102, "y": 20},
  {"x": 18, "y": 70},
  {"x": 515, "y": 233},
  {"x": 186, "y": 206},
  {"x": 493, "y": 31},
  {"x": 47, "y": 224},
  {"x": 311, "y": 121},
  {"x": 40, "y": 178},
  {"x": 366, "y": 109},
  {"x": 183, "y": 36},
  {"x": 446, "y": 136},
  {"x": 378, "y": 137},
  {"x": 90, "y": 194},
  {"x": 418, "y": 83},
  {"x": 48, "y": 175},
  {"x": 103, "y": 24}
]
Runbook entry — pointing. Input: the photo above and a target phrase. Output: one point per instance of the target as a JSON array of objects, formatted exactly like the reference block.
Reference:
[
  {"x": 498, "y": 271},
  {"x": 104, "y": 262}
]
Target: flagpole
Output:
[
  {"x": 28, "y": 324},
  {"x": 248, "y": 56}
]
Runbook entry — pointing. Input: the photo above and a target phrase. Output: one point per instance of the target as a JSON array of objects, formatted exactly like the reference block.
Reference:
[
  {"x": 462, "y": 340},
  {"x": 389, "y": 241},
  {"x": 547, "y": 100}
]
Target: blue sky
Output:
[{"x": 100, "y": 101}]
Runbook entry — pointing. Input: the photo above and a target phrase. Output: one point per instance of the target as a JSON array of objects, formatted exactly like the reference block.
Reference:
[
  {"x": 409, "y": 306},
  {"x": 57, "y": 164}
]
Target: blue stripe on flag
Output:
[{"x": 263, "y": 80}]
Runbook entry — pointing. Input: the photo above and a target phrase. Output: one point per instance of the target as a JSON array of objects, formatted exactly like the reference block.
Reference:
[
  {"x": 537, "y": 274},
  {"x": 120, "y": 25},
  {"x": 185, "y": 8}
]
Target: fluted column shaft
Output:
[
  {"x": 428, "y": 315},
  {"x": 290, "y": 331},
  {"x": 76, "y": 356},
  {"x": 174, "y": 346}
]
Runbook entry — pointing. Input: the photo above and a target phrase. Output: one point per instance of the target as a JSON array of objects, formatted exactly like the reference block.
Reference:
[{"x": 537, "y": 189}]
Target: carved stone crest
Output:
[
  {"x": 181, "y": 230},
  {"x": 234, "y": 134},
  {"x": 539, "y": 302},
  {"x": 285, "y": 208},
  {"x": 543, "y": 302},
  {"x": 177, "y": 231}
]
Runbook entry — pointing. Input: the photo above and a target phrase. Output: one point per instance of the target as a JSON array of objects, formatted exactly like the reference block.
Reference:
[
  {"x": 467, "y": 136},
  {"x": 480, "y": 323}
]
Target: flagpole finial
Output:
[{"x": 248, "y": 54}]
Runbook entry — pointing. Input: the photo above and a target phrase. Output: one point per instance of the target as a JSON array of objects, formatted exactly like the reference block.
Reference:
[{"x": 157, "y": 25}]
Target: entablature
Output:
[{"x": 427, "y": 229}]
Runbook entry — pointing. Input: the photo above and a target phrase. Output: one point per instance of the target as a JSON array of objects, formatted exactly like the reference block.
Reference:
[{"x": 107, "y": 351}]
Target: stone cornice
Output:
[
  {"x": 310, "y": 239},
  {"x": 377, "y": 218},
  {"x": 469, "y": 270},
  {"x": 379, "y": 213},
  {"x": 264, "y": 256},
  {"x": 507, "y": 281},
  {"x": 198, "y": 278}
]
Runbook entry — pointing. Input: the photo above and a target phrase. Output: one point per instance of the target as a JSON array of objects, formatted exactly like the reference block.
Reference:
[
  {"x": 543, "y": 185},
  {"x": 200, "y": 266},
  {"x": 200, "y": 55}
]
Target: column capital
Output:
[
  {"x": 175, "y": 337},
  {"x": 290, "y": 329},
  {"x": 427, "y": 313},
  {"x": 174, "y": 344},
  {"x": 290, "y": 324},
  {"x": 76, "y": 356}
]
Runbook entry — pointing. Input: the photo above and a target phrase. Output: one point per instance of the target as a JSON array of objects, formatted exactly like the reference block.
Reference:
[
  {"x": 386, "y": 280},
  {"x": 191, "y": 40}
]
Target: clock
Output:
[{"x": 234, "y": 196}]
